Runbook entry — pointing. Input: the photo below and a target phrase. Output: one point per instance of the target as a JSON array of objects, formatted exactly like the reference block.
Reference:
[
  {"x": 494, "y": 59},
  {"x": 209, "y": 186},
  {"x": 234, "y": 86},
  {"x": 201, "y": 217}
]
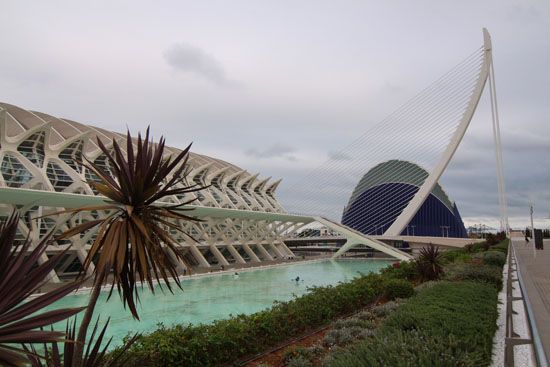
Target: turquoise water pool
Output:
[{"x": 213, "y": 297}]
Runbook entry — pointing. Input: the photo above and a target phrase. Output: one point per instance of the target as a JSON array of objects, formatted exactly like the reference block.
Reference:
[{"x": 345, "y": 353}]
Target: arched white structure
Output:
[
  {"x": 41, "y": 154},
  {"x": 414, "y": 205}
]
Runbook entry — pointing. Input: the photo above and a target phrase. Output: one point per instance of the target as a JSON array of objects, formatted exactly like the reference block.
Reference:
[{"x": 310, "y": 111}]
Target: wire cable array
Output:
[{"x": 417, "y": 132}]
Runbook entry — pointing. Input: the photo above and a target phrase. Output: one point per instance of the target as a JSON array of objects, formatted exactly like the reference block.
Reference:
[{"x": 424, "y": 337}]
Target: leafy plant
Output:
[
  {"x": 475, "y": 272},
  {"x": 297, "y": 353},
  {"x": 398, "y": 288},
  {"x": 20, "y": 276},
  {"x": 353, "y": 322},
  {"x": 402, "y": 270},
  {"x": 451, "y": 256},
  {"x": 385, "y": 309},
  {"x": 133, "y": 240},
  {"x": 429, "y": 263},
  {"x": 494, "y": 258},
  {"x": 94, "y": 356}
]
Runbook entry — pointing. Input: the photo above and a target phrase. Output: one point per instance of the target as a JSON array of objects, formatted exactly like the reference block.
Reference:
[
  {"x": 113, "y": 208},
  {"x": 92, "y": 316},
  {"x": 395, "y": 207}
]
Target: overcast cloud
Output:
[
  {"x": 311, "y": 76},
  {"x": 190, "y": 59}
]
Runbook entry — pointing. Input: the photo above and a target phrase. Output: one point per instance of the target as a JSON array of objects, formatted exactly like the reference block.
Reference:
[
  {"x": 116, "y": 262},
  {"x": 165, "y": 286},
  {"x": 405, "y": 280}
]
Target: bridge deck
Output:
[{"x": 535, "y": 270}]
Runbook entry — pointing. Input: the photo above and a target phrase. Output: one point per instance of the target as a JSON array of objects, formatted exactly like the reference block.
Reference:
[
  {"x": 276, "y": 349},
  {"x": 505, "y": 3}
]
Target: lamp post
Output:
[{"x": 531, "y": 211}]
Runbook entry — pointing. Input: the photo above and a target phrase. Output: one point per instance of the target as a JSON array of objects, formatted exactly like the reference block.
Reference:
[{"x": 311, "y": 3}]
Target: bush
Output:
[
  {"x": 502, "y": 247},
  {"x": 447, "y": 324},
  {"x": 451, "y": 256},
  {"x": 295, "y": 356},
  {"x": 475, "y": 272},
  {"x": 385, "y": 309},
  {"x": 398, "y": 288},
  {"x": 403, "y": 349},
  {"x": 494, "y": 258},
  {"x": 402, "y": 270},
  {"x": 476, "y": 247},
  {"x": 353, "y": 322},
  {"x": 345, "y": 336},
  {"x": 225, "y": 341},
  {"x": 366, "y": 315}
]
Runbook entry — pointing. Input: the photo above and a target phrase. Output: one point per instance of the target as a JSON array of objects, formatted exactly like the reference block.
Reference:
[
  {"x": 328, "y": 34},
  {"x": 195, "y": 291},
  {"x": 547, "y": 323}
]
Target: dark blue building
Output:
[{"x": 383, "y": 193}]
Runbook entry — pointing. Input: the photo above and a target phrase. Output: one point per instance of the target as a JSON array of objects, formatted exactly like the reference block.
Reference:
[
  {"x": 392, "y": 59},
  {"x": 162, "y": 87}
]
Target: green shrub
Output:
[
  {"x": 476, "y": 247},
  {"x": 451, "y": 256},
  {"x": 494, "y": 258},
  {"x": 347, "y": 335},
  {"x": 225, "y": 341},
  {"x": 299, "y": 362},
  {"x": 352, "y": 322},
  {"x": 447, "y": 324},
  {"x": 385, "y": 309},
  {"x": 398, "y": 288},
  {"x": 403, "y": 349},
  {"x": 402, "y": 270},
  {"x": 297, "y": 354},
  {"x": 475, "y": 272},
  {"x": 502, "y": 246},
  {"x": 366, "y": 315},
  {"x": 424, "y": 285}
]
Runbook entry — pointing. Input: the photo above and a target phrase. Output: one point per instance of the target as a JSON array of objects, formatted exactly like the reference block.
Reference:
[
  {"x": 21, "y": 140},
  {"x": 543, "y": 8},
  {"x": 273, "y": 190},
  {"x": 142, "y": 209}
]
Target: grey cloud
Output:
[
  {"x": 190, "y": 59},
  {"x": 273, "y": 151},
  {"x": 339, "y": 156}
]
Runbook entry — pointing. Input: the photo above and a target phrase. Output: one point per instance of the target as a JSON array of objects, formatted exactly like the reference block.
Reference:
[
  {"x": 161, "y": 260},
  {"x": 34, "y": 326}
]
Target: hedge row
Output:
[
  {"x": 447, "y": 324},
  {"x": 225, "y": 341}
]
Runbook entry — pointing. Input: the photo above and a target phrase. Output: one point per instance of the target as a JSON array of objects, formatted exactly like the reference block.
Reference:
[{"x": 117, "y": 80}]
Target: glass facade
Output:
[
  {"x": 13, "y": 172},
  {"x": 33, "y": 148},
  {"x": 58, "y": 178}
]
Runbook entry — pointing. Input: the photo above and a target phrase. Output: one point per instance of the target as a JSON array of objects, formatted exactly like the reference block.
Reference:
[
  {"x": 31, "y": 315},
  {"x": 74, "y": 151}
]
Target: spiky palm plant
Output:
[
  {"x": 20, "y": 276},
  {"x": 94, "y": 356},
  {"x": 133, "y": 239},
  {"x": 430, "y": 262}
]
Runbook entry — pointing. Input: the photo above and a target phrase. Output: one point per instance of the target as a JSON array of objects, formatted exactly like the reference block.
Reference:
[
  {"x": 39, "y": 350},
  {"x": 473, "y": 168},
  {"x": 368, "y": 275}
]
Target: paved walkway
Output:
[{"x": 535, "y": 271}]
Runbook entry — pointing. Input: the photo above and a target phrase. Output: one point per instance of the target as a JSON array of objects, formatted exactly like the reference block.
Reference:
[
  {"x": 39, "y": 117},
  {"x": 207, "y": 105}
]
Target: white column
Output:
[
  {"x": 222, "y": 260},
  {"x": 235, "y": 254},
  {"x": 199, "y": 257},
  {"x": 253, "y": 257}
]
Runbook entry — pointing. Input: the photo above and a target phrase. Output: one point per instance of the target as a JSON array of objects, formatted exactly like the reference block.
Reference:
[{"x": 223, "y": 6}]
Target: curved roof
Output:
[
  {"x": 40, "y": 151},
  {"x": 20, "y": 121},
  {"x": 397, "y": 171}
]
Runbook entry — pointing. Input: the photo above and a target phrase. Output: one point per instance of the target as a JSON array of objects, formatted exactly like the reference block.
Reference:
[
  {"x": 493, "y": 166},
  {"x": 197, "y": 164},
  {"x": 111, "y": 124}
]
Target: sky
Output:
[{"x": 278, "y": 87}]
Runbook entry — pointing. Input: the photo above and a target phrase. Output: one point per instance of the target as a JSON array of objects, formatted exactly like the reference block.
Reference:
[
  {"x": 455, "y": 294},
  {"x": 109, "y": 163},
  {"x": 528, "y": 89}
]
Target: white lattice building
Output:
[{"x": 42, "y": 152}]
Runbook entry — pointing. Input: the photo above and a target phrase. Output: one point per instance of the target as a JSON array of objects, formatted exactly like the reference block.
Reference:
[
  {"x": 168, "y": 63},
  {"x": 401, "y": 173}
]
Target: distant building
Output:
[{"x": 386, "y": 189}]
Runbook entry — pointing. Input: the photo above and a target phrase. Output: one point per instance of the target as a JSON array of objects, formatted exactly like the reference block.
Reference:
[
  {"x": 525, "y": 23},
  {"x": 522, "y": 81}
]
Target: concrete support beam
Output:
[
  {"x": 221, "y": 259},
  {"x": 198, "y": 256},
  {"x": 277, "y": 252},
  {"x": 284, "y": 248},
  {"x": 236, "y": 254},
  {"x": 180, "y": 266},
  {"x": 355, "y": 238},
  {"x": 264, "y": 252},
  {"x": 252, "y": 254}
]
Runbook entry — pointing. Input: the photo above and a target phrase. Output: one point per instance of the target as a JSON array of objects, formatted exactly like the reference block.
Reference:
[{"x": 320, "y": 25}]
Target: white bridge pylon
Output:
[
  {"x": 486, "y": 73},
  {"x": 410, "y": 147}
]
